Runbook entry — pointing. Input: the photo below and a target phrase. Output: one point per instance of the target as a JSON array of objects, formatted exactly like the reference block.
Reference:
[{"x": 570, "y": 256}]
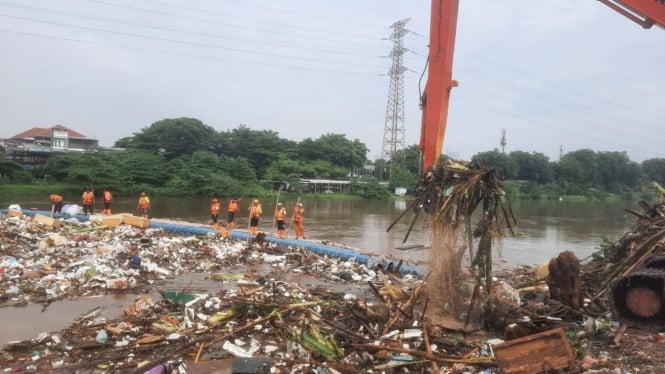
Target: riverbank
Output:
[{"x": 73, "y": 191}]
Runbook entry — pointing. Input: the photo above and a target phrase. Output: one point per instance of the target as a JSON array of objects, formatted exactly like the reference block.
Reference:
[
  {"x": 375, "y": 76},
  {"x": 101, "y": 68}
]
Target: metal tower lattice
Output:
[{"x": 393, "y": 133}]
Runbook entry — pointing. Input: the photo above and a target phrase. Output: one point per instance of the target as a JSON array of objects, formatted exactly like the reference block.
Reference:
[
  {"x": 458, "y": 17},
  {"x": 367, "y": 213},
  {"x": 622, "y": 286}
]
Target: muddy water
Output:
[{"x": 546, "y": 229}]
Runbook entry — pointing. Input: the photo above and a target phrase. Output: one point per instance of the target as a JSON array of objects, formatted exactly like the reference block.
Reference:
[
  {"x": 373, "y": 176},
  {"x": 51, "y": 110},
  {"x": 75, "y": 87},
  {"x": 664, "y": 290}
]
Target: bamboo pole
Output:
[
  {"x": 275, "y": 212},
  {"x": 294, "y": 213}
]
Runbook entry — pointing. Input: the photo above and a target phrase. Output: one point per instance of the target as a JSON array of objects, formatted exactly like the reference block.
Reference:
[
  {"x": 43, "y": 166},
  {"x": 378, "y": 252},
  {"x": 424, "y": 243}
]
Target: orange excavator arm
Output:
[
  {"x": 434, "y": 102},
  {"x": 645, "y": 13}
]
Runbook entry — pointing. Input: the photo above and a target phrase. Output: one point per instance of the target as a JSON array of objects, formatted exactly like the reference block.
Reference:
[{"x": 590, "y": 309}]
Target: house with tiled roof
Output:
[{"x": 37, "y": 145}]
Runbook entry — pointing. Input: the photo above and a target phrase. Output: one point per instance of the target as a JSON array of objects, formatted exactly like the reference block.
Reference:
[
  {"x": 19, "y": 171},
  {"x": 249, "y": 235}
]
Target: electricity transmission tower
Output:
[{"x": 393, "y": 133}]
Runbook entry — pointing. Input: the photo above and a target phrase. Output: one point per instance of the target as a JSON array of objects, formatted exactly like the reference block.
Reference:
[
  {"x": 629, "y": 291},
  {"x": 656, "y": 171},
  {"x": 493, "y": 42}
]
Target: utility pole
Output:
[
  {"x": 393, "y": 133},
  {"x": 503, "y": 141}
]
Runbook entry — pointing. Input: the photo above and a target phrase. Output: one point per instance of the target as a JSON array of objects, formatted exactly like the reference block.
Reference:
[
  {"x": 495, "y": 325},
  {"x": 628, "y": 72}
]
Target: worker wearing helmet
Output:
[
  {"x": 144, "y": 205},
  {"x": 233, "y": 209},
  {"x": 280, "y": 219},
  {"x": 298, "y": 214},
  {"x": 214, "y": 212},
  {"x": 255, "y": 212}
]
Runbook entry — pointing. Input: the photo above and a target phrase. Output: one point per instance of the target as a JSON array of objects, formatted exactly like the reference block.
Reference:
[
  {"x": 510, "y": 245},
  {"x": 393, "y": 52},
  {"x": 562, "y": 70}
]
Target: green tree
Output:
[
  {"x": 370, "y": 188},
  {"x": 260, "y": 147},
  {"x": 577, "y": 167},
  {"x": 336, "y": 149},
  {"x": 196, "y": 174},
  {"x": 405, "y": 179},
  {"x": 84, "y": 169},
  {"x": 173, "y": 138},
  {"x": 408, "y": 159},
  {"x": 615, "y": 170},
  {"x": 12, "y": 171},
  {"x": 322, "y": 169},
  {"x": 505, "y": 165},
  {"x": 532, "y": 166},
  {"x": 284, "y": 169},
  {"x": 654, "y": 169},
  {"x": 238, "y": 168},
  {"x": 139, "y": 169}
]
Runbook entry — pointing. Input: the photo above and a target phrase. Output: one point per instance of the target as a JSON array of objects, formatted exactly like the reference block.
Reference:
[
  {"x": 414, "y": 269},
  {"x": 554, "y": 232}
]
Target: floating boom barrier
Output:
[{"x": 320, "y": 248}]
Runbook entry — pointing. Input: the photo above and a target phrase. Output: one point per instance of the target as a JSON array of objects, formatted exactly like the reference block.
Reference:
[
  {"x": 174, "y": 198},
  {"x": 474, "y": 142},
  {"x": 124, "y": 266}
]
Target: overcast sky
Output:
[{"x": 557, "y": 75}]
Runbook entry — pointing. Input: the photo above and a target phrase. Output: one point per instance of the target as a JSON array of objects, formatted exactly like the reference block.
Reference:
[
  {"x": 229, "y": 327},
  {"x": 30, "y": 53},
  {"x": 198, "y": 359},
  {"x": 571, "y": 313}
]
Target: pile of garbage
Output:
[
  {"x": 281, "y": 310},
  {"x": 631, "y": 271}
]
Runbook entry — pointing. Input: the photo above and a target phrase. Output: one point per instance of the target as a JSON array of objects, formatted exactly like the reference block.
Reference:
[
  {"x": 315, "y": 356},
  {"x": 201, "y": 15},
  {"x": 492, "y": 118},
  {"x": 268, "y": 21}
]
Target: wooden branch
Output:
[
  {"x": 637, "y": 258},
  {"x": 406, "y": 305},
  {"x": 435, "y": 365}
]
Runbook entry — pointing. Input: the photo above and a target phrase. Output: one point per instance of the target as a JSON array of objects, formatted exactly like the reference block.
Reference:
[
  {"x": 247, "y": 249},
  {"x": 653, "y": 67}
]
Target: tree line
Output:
[{"x": 185, "y": 157}]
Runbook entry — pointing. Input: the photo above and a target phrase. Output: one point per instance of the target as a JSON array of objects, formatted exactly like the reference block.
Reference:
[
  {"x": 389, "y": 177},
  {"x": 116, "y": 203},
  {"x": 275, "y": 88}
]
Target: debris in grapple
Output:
[{"x": 450, "y": 192}]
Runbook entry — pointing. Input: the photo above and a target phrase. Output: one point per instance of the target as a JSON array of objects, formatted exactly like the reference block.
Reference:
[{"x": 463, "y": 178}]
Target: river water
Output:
[{"x": 545, "y": 228}]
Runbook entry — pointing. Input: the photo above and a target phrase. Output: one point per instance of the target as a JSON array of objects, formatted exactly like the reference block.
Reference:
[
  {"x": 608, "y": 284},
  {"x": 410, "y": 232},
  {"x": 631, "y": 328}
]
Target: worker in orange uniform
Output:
[
  {"x": 298, "y": 214},
  {"x": 255, "y": 213},
  {"x": 214, "y": 212},
  {"x": 280, "y": 219},
  {"x": 108, "y": 199},
  {"x": 233, "y": 209},
  {"x": 56, "y": 204},
  {"x": 144, "y": 205},
  {"x": 88, "y": 199}
]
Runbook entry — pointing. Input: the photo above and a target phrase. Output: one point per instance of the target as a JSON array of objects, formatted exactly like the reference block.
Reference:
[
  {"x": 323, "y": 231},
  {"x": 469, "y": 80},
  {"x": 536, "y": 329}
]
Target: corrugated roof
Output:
[{"x": 46, "y": 132}]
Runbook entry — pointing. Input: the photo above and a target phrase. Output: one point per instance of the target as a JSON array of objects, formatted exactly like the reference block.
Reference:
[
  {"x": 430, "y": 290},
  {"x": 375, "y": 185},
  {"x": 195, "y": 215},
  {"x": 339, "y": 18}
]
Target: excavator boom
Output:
[
  {"x": 645, "y": 13},
  {"x": 434, "y": 101}
]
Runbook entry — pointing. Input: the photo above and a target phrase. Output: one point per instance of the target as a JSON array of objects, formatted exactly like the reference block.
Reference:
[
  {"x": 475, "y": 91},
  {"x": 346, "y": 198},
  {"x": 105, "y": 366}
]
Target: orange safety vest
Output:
[
  {"x": 280, "y": 214},
  {"x": 233, "y": 206},
  {"x": 56, "y": 198},
  {"x": 144, "y": 202},
  {"x": 255, "y": 211},
  {"x": 87, "y": 197},
  {"x": 297, "y": 215},
  {"x": 214, "y": 208},
  {"x": 108, "y": 197}
]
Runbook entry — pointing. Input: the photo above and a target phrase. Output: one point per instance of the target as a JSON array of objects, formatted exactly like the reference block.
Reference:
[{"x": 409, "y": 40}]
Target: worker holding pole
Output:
[
  {"x": 298, "y": 214},
  {"x": 56, "y": 204}
]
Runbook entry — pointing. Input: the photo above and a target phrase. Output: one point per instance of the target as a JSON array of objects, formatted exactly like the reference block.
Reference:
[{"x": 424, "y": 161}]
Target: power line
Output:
[
  {"x": 554, "y": 127},
  {"x": 187, "y": 43},
  {"x": 189, "y": 54},
  {"x": 206, "y": 11},
  {"x": 578, "y": 92},
  {"x": 180, "y": 16},
  {"x": 303, "y": 14},
  {"x": 498, "y": 97},
  {"x": 528, "y": 90},
  {"x": 216, "y": 36},
  {"x": 542, "y": 110}
]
